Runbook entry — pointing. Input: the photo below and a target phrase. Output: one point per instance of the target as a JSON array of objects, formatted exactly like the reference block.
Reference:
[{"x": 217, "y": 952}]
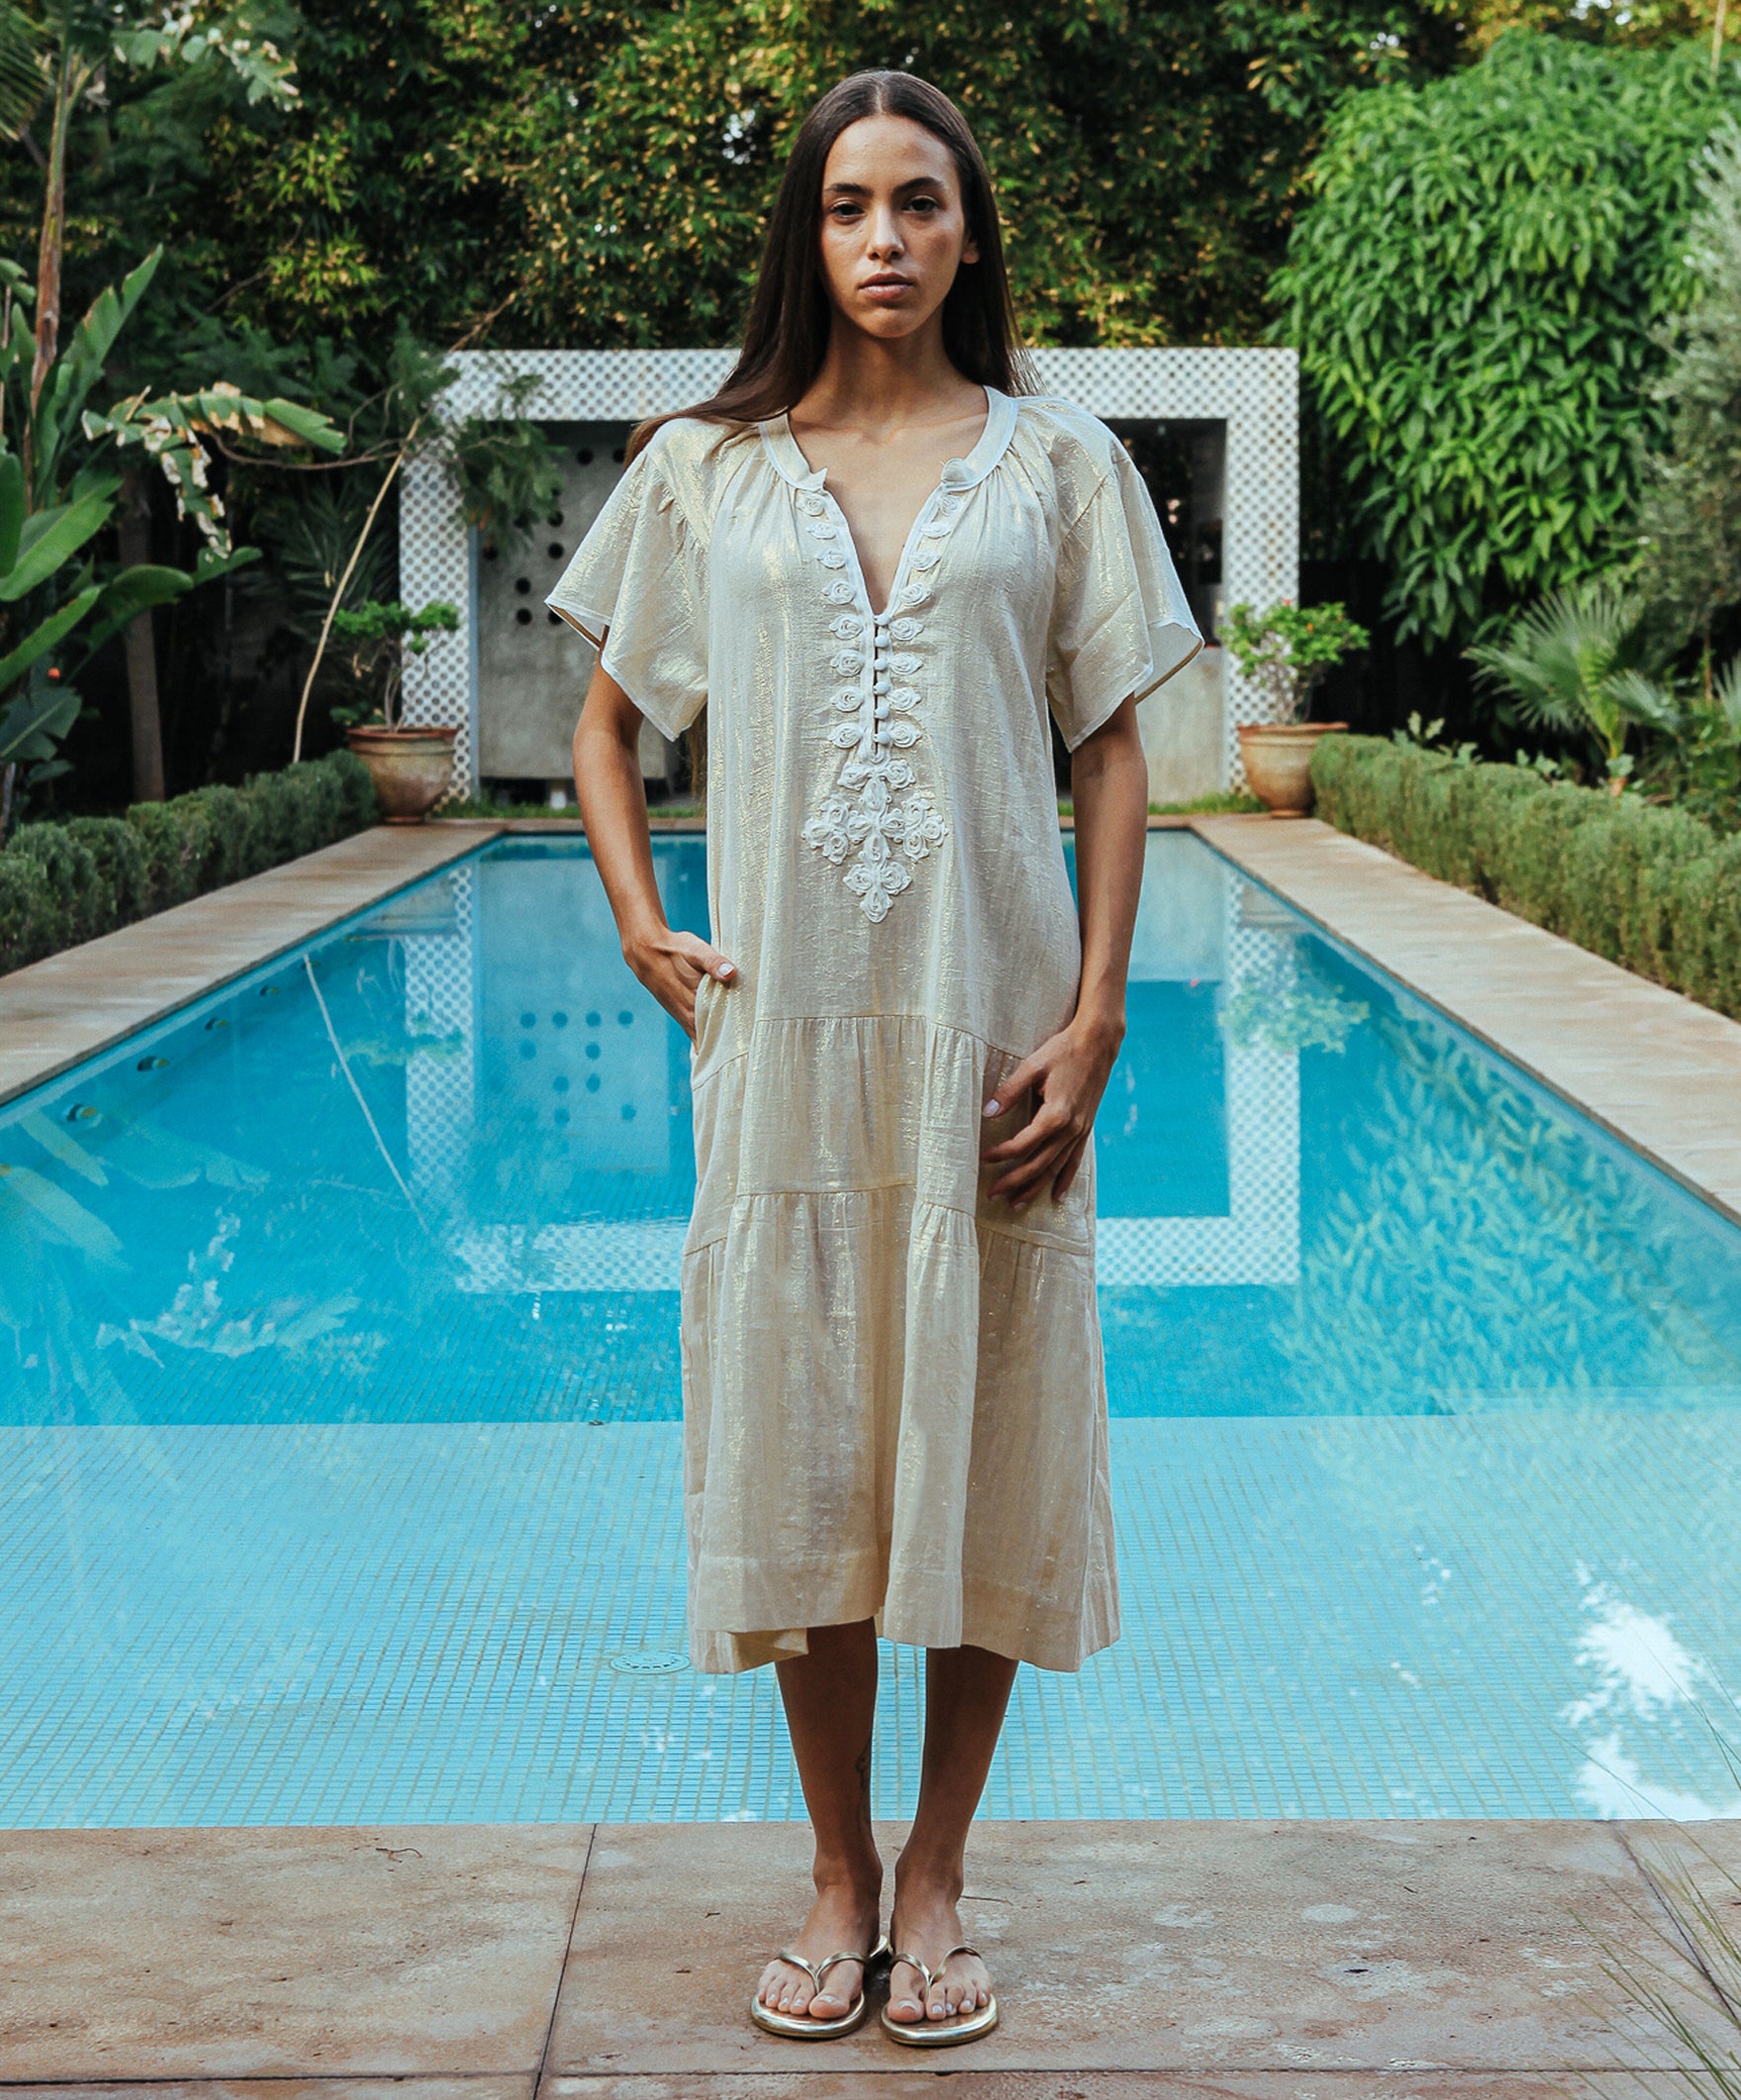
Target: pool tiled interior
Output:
[
  {"x": 339, "y": 1461},
  {"x": 366, "y": 1623}
]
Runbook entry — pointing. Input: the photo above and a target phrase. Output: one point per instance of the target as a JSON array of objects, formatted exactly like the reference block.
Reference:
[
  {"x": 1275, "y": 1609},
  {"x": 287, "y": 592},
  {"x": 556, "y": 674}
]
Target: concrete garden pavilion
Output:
[{"x": 1216, "y": 433}]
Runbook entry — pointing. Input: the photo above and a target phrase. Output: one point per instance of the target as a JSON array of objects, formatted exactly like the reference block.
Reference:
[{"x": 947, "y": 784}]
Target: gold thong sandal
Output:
[
  {"x": 802, "y": 2026},
  {"x": 927, "y": 2033}
]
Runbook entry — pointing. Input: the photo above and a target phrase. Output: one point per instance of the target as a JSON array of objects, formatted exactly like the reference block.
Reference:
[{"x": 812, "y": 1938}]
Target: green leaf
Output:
[
  {"x": 51, "y": 538},
  {"x": 34, "y": 646},
  {"x": 12, "y": 508}
]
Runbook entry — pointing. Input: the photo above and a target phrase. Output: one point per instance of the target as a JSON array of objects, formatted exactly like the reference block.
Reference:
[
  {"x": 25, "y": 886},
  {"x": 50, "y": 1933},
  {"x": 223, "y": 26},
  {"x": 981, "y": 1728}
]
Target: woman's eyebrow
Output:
[{"x": 861, "y": 189}]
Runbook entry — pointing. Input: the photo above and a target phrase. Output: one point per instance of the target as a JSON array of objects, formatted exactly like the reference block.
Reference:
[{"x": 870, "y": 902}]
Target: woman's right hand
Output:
[{"x": 672, "y": 966}]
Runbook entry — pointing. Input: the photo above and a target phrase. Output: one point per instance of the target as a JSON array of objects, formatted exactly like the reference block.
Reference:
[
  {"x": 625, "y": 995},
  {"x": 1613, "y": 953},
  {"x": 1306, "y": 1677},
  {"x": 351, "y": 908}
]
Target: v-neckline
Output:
[{"x": 954, "y": 475}]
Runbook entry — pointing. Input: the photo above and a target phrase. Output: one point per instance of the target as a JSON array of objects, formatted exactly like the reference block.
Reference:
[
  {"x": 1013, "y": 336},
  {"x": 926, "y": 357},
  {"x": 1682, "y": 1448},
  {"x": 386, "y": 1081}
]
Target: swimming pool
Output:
[{"x": 339, "y": 1395}]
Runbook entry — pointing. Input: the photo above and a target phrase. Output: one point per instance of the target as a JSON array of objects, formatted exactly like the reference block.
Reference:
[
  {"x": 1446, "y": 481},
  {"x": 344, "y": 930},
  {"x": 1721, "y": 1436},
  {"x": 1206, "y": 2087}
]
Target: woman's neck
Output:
[{"x": 871, "y": 385}]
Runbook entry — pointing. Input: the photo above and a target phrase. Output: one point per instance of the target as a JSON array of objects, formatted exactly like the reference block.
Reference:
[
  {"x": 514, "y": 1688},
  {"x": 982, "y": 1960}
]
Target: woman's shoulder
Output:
[
  {"x": 694, "y": 458},
  {"x": 1061, "y": 426},
  {"x": 1077, "y": 449},
  {"x": 696, "y": 444}
]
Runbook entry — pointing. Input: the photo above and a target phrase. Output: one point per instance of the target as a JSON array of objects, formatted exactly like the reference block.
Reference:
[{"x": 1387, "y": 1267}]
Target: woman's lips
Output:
[{"x": 885, "y": 288}]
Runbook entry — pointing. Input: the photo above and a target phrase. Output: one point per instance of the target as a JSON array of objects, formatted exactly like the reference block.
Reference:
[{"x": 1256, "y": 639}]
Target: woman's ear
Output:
[{"x": 970, "y": 250}]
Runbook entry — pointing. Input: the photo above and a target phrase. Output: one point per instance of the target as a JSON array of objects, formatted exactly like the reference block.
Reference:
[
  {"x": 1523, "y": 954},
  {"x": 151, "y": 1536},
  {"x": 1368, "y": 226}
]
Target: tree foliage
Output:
[
  {"x": 1692, "y": 512},
  {"x": 1477, "y": 289},
  {"x": 598, "y": 174}
]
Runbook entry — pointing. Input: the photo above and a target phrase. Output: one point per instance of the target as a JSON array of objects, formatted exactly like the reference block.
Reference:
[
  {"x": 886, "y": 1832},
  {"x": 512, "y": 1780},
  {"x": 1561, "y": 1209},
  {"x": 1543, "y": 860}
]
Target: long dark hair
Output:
[{"x": 786, "y": 336}]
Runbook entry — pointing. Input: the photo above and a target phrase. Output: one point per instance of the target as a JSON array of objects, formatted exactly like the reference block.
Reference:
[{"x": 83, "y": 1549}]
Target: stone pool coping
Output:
[
  {"x": 69, "y": 1007},
  {"x": 1660, "y": 1072},
  {"x": 1292, "y": 1960}
]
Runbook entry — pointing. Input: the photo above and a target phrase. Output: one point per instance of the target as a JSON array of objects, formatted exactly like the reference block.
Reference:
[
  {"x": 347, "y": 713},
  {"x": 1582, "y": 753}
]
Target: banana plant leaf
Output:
[
  {"x": 12, "y": 508},
  {"x": 146, "y": 584},
  {"x": 36, "y": 644},
  {"x": 80, "y": 365},
  {"x": 29, "y": 725},
  {"x": 51, "y": 538}
]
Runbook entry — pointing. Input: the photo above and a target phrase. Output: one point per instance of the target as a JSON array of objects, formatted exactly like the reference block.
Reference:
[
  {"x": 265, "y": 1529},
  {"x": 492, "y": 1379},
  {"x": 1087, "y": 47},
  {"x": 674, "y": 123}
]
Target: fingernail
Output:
[
  {"x": 726, "y": 969},
  {"x": 992, "y": 1109}
]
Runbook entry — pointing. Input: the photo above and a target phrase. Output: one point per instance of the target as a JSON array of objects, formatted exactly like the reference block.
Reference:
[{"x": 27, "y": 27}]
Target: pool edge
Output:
[
  {"x": 1646, "y": 1065},
  {"x": 74, "y": 1005}
]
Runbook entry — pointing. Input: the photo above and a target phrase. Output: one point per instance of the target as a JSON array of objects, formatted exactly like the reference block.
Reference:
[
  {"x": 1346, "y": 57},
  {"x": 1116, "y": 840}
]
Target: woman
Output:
[{"x": 876, "y": 557}]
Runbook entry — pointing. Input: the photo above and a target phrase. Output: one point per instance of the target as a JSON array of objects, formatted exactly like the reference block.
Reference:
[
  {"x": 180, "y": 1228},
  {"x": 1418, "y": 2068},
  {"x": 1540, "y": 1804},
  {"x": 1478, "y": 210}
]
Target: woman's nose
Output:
[{"x": 884, "y": 233}]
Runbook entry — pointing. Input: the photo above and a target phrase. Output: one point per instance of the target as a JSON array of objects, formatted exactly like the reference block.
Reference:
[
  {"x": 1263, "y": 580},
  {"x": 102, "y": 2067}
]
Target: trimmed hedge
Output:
[
  {"x": 65, "y": 882},
  {"x": 1653, "y": 889}
]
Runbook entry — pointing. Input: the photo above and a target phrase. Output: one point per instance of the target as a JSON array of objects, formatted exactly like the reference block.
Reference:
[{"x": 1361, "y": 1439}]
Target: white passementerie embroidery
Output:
[{"x": 871, "y": 825}]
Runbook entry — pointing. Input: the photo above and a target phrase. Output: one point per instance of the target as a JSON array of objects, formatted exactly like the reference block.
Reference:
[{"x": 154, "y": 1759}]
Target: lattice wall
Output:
[
  {"x": 441, "y": 1081},
  {"x": 1254, "y": 393}
]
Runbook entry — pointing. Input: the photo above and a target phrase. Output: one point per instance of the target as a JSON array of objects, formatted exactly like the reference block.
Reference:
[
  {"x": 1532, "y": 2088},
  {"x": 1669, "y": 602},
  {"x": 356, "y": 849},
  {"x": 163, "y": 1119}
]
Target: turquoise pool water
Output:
[{"x": 339, "y": 1399}]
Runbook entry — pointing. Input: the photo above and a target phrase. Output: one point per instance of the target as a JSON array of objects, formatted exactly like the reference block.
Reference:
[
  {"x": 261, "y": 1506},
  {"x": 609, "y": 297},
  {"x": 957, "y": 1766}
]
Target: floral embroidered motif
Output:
[{"x": 870, "y": 822}]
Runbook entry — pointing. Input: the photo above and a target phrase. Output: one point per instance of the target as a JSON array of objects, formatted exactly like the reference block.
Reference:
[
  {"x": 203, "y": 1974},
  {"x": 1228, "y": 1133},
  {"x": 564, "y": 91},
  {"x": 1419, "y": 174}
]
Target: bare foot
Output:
[
  {"x": 843, "y": 1916},
  {"x": 928, "y": 1924}
]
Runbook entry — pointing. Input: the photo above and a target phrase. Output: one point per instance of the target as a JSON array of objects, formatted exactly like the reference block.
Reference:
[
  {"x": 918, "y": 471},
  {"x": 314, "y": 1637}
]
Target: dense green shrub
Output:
[
  {"x": 1477, "y": 287},
  {"x": 32, "y": 920},
  {"x": 60, "y": 883},
  {"x": 1653, "y": 889}
]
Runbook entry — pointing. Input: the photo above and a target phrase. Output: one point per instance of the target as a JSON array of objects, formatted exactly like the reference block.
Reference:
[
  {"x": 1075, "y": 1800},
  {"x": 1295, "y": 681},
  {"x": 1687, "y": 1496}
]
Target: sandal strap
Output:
[
  {"x": 912, "y": 1961},
  {"x": 931, "y": 1975},
  {"x": 816, "y": 1970}
]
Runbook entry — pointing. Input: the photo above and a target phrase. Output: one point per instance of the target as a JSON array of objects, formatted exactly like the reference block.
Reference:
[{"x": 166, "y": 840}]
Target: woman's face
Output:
[{"x": 893, "y": 231}]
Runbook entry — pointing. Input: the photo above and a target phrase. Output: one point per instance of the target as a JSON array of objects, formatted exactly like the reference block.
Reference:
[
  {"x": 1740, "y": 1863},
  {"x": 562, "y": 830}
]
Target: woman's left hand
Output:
[{"x": 1067, "y": 1074}]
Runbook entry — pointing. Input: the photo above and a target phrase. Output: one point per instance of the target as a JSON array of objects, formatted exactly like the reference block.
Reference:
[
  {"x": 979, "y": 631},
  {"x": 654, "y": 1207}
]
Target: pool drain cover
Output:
[{"x": 650, "y": 1662}]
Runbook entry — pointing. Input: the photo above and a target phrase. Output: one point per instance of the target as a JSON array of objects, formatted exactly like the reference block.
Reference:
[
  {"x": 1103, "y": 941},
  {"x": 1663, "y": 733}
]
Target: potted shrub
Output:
[
  {"x": 411, "y": 766},
  {"x": 1286, "y": 650}
]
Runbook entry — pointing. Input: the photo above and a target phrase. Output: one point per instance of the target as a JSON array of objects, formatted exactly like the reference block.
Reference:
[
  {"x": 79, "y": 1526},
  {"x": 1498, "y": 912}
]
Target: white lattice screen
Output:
[{"x": 1254, "y": 393}]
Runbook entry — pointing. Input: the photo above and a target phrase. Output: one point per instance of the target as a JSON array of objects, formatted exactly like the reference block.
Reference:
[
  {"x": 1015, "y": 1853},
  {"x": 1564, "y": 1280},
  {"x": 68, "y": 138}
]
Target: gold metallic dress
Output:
[{"x": 894, "y": 1404}]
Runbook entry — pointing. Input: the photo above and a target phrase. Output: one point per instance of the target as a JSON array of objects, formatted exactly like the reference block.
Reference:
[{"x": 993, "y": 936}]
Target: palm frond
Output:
[
  {"x": 22, "y": 81},
  {"x": 1726, "y": 691},
  {"x": 1642, "y": 700}
]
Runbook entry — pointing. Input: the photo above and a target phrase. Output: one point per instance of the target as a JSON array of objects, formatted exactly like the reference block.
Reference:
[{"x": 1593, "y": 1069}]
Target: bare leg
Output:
[
  {"x": 965, "y": 1693},
  {"x": 829, "y": 1697}
]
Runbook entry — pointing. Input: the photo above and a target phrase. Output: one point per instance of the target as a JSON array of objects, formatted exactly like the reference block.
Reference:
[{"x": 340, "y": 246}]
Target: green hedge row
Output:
[
  {"x": 65, "y": 882},
  {"x": 1653, "y": 889}
]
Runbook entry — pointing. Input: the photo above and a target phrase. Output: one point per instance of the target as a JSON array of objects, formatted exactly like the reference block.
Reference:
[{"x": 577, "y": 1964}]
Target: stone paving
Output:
[{"x": 1254, "y": 1959}]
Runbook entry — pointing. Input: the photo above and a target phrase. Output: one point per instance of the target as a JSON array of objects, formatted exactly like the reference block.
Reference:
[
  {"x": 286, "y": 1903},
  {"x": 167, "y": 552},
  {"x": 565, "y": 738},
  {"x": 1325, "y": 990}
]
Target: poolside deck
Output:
[{"x": 526, "y": 1962}]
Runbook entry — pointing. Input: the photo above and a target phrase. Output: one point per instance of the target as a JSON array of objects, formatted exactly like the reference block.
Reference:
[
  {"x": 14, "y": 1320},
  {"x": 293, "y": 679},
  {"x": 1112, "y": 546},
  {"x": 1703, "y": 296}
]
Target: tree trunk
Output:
[
  {"x": 135, "y": 522},
  {"x": 48, "y": 249}
]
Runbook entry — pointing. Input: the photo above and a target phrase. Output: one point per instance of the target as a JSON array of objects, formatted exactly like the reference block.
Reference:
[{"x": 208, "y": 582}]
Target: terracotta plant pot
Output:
[
  {"x": 412, "y": 769},
  {"x": 1278, "y": 758}
]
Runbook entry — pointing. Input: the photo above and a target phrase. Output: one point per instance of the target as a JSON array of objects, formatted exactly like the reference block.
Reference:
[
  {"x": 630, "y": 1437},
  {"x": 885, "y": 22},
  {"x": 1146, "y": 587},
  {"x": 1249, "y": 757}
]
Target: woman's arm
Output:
[
  {"x": 613, "y": 807},
  {"x": 1109, "y": 779}
]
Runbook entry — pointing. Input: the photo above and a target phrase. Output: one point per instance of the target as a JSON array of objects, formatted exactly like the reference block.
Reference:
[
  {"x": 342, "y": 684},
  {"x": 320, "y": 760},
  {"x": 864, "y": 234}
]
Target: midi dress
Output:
[{"x": 894, "y": 1399}]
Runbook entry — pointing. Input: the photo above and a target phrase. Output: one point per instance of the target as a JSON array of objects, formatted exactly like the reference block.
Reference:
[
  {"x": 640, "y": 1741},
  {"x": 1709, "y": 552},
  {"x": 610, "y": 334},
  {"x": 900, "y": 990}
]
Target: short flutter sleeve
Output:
[
  {"x": 637, "y": 584},
  {"x": 1121, "y": 624}
]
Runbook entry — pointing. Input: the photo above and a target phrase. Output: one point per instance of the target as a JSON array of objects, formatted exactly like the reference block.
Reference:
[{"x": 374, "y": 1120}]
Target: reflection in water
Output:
[
  {"x": 439, "y": 1167},
  {"x": 1397, "y": 1344},
  {"x": 1643, "y": 1675}
]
